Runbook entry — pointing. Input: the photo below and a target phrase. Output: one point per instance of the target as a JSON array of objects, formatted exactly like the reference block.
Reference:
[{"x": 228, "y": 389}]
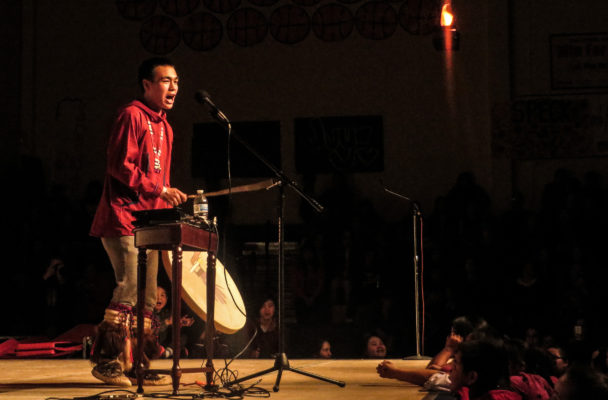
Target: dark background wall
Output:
[
  {"x": 523, "y": 96},
  {"x": 75, "y": 64},
  {"x": 82, "y": 60}
]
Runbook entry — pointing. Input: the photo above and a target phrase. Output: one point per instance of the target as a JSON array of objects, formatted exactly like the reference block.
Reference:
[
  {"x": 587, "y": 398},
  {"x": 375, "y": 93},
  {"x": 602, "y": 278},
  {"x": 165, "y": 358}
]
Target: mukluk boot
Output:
[
  {"x": 151, "y": 349},
  {"x": 111, "y": 352}
]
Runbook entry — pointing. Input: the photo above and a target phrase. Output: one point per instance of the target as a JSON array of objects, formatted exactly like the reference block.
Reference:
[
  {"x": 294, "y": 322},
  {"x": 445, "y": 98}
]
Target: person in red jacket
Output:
[
  {"x": 136, "y": 178},
  {"x": 480, "y": 371},
  {"x": 529, "y": 370}
]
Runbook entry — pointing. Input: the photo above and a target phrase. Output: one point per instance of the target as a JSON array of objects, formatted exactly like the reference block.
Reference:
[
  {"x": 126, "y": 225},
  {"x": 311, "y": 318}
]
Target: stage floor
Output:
[{"x": 69, "y": 379}]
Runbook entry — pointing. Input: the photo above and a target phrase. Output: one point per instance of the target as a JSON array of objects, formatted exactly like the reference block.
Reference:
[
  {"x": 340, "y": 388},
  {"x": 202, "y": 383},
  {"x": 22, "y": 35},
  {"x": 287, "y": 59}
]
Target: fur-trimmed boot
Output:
[
  {"x": 111, "y": 352},
  {"x": 152, "y": 349}
]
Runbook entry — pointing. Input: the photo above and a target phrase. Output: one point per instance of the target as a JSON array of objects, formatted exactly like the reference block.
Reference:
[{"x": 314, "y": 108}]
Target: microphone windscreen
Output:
[{"x": 200, "y": 96}]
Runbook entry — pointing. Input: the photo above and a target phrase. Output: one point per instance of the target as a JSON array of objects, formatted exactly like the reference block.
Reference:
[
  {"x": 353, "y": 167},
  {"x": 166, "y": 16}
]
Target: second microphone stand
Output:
[{"x": 416, "y": 221}]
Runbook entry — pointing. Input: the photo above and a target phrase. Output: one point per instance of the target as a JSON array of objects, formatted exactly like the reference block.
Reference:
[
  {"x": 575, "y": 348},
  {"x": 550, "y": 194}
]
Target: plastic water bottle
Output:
[{"x": 201, "y": 206}]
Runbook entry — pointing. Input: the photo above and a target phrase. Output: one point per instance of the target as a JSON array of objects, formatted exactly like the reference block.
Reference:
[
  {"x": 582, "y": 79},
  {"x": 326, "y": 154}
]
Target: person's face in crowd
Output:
[
  {"x": 456, "y": 373},
  {"x": 160, "y": 92},
  {"x": 459, "y": 378},
  {"x": 325, "y": 351},
  {"x": 531, "y": 337},
  {"x": 560, "y": 363},
  {"x": 161, "y": 299},
  {"x": 376, "y": 347},
  {"x": 267, "y": 310}
]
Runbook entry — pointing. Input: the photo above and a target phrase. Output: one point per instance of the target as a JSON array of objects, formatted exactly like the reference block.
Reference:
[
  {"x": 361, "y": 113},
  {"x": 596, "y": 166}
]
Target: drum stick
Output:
[{"x": 239, "y": 189}]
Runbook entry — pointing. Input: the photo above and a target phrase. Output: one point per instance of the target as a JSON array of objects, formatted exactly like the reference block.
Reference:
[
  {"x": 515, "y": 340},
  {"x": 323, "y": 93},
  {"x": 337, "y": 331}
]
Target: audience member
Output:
[
  {"x": 462, "y": 328},
  {"x": 600, "y": 360},
  {"x": 581, "y": 382},
  {"x": 417, "y": 376},
  {"x": 532, "y": 337},
  {"x": 264, "y": 327},
  {"x": 191, "y": 331},
  {"x": 539, "y": 361},
  {"x": 435, "y": 375},
  {"x": 480, "y": 371},
  {"x": 323, "y": 350},
  {"x": 375, "y": 347},
  {"x": 55, "y": 284},
  {"x": 164, "y": 318},
  {"x": 560, "y": 361},
  {"x": 524, "y": 376},
  {"x": 440, "y": 360},
  {"x": 528, "y": 298},
  {"x": 308, "y": 285},
  {"x": 341, "y": 285}
]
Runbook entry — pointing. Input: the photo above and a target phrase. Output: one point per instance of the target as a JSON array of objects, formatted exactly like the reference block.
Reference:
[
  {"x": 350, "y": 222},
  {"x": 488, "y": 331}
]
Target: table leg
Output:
[
  {"x": 176, "y": 299},
  {"x": 141, "y": 287},
  {"x": 210, "y": 325}
]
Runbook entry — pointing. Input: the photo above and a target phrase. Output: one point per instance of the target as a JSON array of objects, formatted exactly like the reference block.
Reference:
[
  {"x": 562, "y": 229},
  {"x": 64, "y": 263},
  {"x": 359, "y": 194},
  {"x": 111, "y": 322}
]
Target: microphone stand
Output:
[
  {"x": 416, "y": 218},
  {"x": 281, "y": 362}
]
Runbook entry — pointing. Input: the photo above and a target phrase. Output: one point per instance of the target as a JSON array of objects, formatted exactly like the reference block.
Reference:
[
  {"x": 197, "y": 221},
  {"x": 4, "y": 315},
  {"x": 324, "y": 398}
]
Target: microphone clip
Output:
[{"x": 202, "y": 97}]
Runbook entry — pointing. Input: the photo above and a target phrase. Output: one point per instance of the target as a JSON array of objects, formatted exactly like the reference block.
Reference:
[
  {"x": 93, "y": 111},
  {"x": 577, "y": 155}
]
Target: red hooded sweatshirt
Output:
[{"x": 132, "y": 182}]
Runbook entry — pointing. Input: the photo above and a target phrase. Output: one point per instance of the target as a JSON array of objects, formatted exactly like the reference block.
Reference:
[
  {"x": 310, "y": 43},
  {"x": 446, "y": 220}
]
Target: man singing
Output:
[{"x": 136, "y": 178}]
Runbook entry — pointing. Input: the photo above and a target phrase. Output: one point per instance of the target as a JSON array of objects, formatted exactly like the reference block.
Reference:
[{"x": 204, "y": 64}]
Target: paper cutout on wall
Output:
[
  {"x": 179, "y": 8},
  {"x": 159, "y": 35},
  {"x": 332, "y": 22},
  {"x": 551, "y": 127},
  {"x": 306, "y": 3},
  {"x": 376, "y": 20},
  {"x": 263, "y": 3},
  {"x": 420, "y": 17},
  {"x": 222, "y": 6},
  {"x": 289, "y": 24},
  {"x": 289, "y": 21},
  {"x": 202, "y": 31},
  {"x": 136, "y": 10},
  {"x": 339, "y": 144},
  {"x": 247, "y": 27}
]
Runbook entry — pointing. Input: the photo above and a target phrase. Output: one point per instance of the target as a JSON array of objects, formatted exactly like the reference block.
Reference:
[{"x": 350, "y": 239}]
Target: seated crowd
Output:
[
  {"x": 479, "y": 363},
  {"x": 534, "y": 270},
  {"x": 476, "y": 362}
]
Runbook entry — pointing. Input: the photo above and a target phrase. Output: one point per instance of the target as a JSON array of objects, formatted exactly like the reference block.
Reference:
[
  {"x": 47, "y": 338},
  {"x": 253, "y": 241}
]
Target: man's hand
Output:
[{"x": 173, "y": 196}]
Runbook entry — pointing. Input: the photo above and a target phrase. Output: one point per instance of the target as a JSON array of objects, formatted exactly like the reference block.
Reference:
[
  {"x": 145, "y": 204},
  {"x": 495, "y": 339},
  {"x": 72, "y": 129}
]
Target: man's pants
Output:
[{"x": 123, "y": 256}]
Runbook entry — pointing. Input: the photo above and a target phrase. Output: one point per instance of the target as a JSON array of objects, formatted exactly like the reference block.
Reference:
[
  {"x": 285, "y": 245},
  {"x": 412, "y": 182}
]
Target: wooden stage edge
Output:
[{"x": 69, "y": 379}]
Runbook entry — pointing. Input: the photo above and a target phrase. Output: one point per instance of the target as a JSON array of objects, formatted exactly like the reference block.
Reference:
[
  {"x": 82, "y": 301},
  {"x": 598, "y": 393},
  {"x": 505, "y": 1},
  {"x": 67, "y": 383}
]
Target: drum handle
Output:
[{"x": 195, "y": 267}]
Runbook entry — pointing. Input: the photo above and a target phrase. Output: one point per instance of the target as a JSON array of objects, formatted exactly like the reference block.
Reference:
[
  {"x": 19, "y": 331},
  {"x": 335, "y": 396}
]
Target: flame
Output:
[{"x": 447, "y": 17}]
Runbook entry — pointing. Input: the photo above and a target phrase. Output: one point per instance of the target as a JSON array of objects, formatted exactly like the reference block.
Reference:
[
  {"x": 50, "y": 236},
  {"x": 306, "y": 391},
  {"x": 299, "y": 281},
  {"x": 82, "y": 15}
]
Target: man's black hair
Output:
[{"x": 146, "y": 69}]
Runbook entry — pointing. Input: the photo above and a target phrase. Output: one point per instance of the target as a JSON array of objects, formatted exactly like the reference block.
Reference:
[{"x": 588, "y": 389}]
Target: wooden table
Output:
[{"x": 176, "y": 237}]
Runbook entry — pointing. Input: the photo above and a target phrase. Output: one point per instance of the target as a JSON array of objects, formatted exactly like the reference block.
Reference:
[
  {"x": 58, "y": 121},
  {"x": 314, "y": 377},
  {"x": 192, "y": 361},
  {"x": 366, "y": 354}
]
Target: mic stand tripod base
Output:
[
  {"x": 417, "y": 357},
  {"x": 210, "y": 387},
  {"x": 281, "y": 363}
]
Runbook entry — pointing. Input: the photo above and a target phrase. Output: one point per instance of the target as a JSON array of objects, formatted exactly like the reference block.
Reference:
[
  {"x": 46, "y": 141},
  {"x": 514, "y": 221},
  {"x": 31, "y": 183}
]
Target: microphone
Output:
[{"x": 202, "y": 97}]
